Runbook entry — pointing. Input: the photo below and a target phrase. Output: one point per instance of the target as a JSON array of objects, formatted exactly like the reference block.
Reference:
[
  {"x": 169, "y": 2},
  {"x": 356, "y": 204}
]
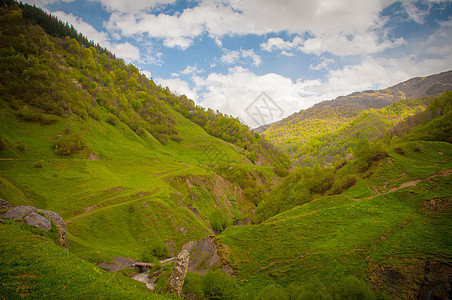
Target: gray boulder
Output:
[
  {"x": 19, "y": 212},
  {"x": 38, "y": 220}
]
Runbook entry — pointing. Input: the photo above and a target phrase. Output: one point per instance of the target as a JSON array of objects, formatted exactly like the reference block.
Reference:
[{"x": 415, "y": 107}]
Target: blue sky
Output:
[{"x": 225, "y": 54}]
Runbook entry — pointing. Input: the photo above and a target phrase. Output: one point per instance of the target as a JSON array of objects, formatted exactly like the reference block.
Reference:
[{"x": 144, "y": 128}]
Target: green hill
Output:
[
  {"x": 123, "y": 161},
  {"x": 327, "y": 131},
  {"x": 137, "y": 172}
]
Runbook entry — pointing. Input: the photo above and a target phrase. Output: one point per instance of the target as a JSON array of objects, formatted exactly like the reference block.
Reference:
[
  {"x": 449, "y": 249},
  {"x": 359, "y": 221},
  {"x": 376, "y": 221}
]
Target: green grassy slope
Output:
[
  {"x": 383, "y": 221},
  {"x": 117, "y": 203},
  {"x": 33, "y": 266},
  {"x": 142, "y": 139}
]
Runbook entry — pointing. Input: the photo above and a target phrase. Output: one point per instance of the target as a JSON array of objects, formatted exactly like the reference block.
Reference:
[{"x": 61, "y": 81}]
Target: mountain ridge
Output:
[{"x": 295, "y": 134}]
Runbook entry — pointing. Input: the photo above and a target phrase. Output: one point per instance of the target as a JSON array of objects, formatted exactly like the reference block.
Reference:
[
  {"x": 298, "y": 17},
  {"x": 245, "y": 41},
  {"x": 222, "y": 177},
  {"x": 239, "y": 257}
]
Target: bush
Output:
[
  {"x": 343, "y": 184},
  {"x": 367, "y": 153},
  {"x": 219, "y": 221},
  {"x": 399, "y": 150},
  {"x": 280, "y": 171},
  {"x": 20, "y": 146},
  {"x": 353, "y": 288},
  {"x": 217, "y": 285},
  {"x": 47, "y": 119},
  {"x": 162, "y": 285},
  {"x": 69, "y": 144},
  {"x": 27, "y": 114},
  {"x": 193, "y": 286},
  {"x": 156, "y": 249},
  {"x": 112, "y": 119},
  {"x": 272, "y": 292},
  {"x": 176, "y": 137},
  {"x": 3, "y": 144}
]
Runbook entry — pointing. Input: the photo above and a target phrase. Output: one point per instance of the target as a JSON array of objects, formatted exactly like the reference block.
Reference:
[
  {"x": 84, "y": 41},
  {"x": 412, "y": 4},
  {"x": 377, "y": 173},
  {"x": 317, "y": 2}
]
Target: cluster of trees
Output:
[
  {"x": 247, "y": 179},
  {"x": 52, "y": 25},
  {"x": 73, "y": 76},
  {"x": 326, "y": 132},
  {"x": 303, "y": 185},
  {"x": 434, "y": 123},
  {"x": 65, "y": 78}
]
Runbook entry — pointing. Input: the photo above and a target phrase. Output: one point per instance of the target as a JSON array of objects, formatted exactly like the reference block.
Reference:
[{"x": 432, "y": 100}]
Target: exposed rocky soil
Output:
[{"x": 415, "y": 279}]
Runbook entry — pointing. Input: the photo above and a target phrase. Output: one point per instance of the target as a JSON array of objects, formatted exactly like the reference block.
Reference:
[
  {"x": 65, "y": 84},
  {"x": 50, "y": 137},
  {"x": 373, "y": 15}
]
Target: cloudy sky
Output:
[{"x": 225, "y": 54}]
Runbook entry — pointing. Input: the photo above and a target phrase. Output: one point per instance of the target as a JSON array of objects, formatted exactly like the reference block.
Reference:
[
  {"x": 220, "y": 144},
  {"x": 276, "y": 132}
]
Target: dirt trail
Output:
[
  {"x": 93, "y": 209},
  {"x": 411, "y": 183}
]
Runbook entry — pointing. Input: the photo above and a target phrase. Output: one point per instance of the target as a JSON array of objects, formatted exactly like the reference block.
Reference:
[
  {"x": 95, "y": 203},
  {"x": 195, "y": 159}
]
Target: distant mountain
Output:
[
  {"x": 262, "y": 128},
  {"x": 309, "y": 133}
]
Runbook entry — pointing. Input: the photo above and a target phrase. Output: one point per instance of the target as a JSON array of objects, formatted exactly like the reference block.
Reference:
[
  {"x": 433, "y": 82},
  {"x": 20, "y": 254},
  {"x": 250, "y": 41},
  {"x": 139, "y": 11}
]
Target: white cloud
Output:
[
  {"x": 279, "y": 44},
  {"x": 339, "y": 44},
  {"x": 178, "y": 86},
  {"x": 133, "y": 6},
  {"x": 41, "y": 3},
  {"x": 191, "y": 70},
  {"x": 146, "y": 73},
  {"x": 251, "y": 54},
  {"x": 323, "y": 65},
  {"x": 233, "y": 92},
  {"x": 86, "y": 29},
  {"x": 230, "y": 56},
  {"x": 413, "y": 12},
  {"x": 233, "y": 56},
  {"x": 125, "y": 50},
  {"x": 323, "y": 20}
]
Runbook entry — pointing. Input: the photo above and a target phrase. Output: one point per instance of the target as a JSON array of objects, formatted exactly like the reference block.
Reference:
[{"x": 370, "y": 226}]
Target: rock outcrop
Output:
[
  {"x": 37, "y": 217},
  {"x": 204, "y": 255},
  {"x": 5, "y": 204},
  {"x": 176, "y": 280}
]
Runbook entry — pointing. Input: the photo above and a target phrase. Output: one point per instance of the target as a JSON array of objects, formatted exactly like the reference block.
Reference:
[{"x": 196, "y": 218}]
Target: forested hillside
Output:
[{"x": 328, "y": 131}]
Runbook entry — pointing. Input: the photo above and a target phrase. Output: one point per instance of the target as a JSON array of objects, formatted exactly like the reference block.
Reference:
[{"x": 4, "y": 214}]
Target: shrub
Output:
[
  {"x": 367, "y": 153},
  {"x": 162, "y": 284},
  {"x": 217, "y": 285},
  {"x": 272, "y": 292},
  {"x": 69, "y": 144},
  {"x": 280, "y": 171},
  {"x": 219, "y": 221},
  {"x": 112, "y": 119},
  {"x": 27, "y": 114},
  {"x": 193, "y": 286},
  {"x": 343, "y": 184},
  {"x": 3, "y": 144},
  {"x": 353, "y": 288},
  {"x": 20, "y": 146},
  {"x": 399, "y": 150},
  {"x": 176, "y": 137},
  {"x": 156, "y": 249}
]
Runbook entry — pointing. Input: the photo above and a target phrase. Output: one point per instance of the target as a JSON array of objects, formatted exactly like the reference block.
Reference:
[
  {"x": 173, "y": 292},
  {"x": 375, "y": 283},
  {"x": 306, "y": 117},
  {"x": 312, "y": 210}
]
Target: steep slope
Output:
[
  {"x": 318, "y": 126},
  {"x": 126, "y": 163},
  {"x": 388, "y": 228},
  {"x": 32, "y": 265}
]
